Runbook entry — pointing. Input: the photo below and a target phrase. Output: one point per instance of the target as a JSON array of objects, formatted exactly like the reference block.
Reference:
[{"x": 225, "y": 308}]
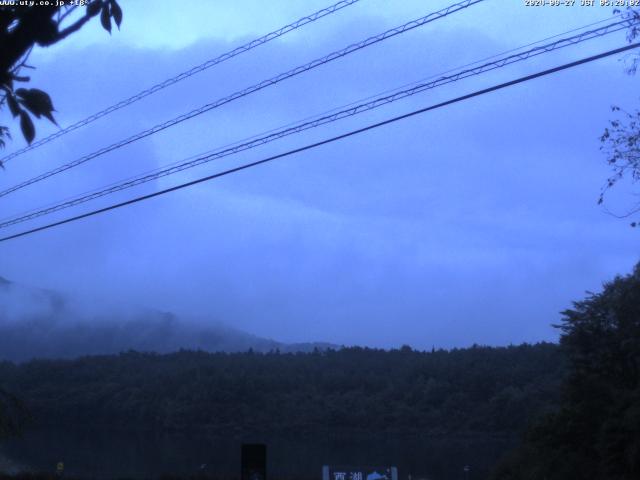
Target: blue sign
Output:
[{"x": 359, "y": 473}]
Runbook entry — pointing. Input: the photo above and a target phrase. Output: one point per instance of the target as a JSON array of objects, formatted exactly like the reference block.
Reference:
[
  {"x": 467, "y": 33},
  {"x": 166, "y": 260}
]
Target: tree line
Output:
[{"x": 478, "y": 389}]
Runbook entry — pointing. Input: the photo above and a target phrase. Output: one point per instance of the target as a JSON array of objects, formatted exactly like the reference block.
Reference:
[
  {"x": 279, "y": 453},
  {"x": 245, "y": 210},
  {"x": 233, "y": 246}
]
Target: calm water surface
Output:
[{"x": 103, "y": 453}]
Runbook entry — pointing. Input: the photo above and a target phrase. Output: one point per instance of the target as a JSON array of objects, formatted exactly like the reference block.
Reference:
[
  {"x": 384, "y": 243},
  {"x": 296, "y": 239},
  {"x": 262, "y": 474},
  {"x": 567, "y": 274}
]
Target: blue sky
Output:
[{"x": 473, "y": 223}]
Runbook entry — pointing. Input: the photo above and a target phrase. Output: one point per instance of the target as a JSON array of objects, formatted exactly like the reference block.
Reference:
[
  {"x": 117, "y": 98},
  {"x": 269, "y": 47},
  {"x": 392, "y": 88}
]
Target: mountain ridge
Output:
[{"x": 41, "y": 323}]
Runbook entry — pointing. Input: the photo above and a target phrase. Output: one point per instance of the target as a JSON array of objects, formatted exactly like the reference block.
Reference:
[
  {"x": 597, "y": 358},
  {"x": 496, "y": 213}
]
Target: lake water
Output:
[{"x": 101, "y": 453}]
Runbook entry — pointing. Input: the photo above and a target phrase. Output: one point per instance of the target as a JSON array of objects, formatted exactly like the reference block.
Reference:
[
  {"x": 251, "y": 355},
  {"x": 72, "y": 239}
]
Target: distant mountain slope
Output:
[{"x": 38, "y": 323}]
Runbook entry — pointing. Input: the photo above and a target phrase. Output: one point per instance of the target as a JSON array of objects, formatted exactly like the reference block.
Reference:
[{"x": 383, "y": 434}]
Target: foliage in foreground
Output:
[
  {"x": 595, "y": 434},
  {"x": 24, "y": 25}
]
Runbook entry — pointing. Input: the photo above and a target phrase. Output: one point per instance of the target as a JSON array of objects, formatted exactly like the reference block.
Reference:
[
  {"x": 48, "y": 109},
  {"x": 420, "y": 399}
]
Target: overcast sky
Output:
[{"x": 476, "y": 223}]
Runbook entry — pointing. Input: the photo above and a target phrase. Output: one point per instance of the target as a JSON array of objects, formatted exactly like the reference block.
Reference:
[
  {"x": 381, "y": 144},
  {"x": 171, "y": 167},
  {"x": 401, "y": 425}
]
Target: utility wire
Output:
[
  {"x": 369, "y": 97},
  {"x": 186, "y": 74},
  {"x": 451, "y": 70},
  {"x": 323, "y": 120},
  {"x": 315, "y": 116},
  {"x": 247, "y": 91},
  {"x": 335, "y": 109},
  {"x": 328, "y": 140}
]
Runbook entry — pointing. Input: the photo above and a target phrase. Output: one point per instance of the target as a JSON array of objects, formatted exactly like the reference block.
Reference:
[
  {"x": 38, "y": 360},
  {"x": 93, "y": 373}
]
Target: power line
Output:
[
  {"x": 329, "y": 140},
  {"x": 323, "y": 120},
  {"x": 369, "y": 97},
  {"x": 247, "y": 91},
  {"x": 186, "y": 74}
]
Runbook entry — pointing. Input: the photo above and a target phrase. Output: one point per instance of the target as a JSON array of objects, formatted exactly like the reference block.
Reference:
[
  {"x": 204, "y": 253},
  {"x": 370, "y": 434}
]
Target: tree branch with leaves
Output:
[
  {"x": 621, "y": 139},
  {"x": 21, "y": 29}
]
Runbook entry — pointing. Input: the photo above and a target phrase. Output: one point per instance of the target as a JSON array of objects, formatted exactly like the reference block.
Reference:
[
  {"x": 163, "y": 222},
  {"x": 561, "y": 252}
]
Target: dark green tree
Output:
[{"x": 596, "y": 432}]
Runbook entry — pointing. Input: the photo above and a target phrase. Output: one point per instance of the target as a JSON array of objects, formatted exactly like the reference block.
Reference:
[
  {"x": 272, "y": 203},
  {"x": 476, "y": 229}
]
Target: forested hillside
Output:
[{"x": 479, "y": 389}]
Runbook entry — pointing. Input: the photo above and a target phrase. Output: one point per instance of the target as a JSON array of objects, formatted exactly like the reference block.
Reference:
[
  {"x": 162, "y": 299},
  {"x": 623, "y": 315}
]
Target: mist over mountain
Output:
[{"x": 38, "y": 323}]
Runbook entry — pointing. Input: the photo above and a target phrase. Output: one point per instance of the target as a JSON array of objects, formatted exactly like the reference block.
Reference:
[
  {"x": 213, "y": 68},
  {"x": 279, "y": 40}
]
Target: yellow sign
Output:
[{"x": 60, "y": 467}]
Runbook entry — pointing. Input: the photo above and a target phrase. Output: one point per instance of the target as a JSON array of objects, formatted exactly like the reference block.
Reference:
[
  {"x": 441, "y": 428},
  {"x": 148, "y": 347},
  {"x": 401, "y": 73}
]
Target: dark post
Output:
[{"x": 254, "y": 461}]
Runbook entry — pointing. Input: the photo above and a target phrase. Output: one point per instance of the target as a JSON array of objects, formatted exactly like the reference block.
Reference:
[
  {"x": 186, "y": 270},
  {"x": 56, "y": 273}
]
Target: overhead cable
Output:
[
  {"x": 326, "y": 141},
  {"x": 184, "y": 75},
  {"x": 247, "y": 91},
  {"x": 323, "y": 120}
]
